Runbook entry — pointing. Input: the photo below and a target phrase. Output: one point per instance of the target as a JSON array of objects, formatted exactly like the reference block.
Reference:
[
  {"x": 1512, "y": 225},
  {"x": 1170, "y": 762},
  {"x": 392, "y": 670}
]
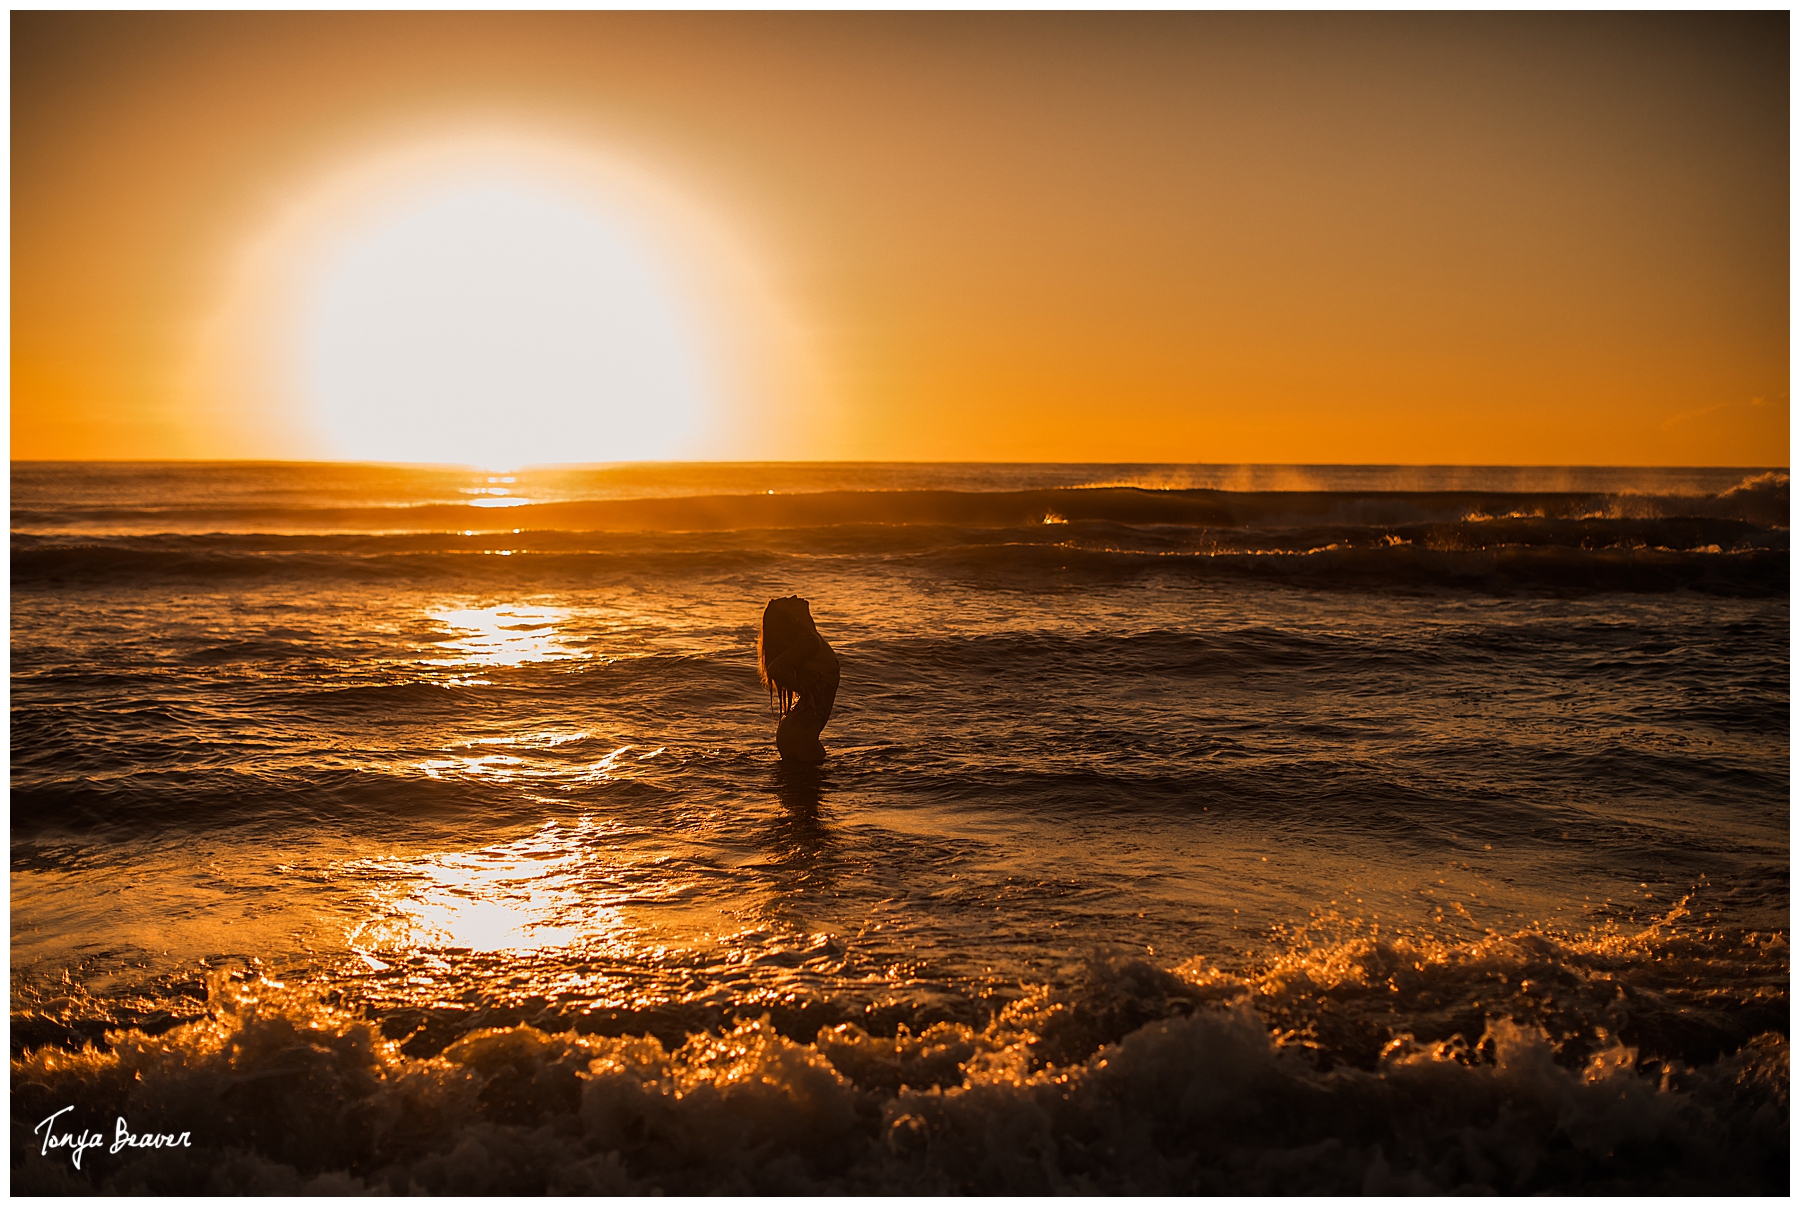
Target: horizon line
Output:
[{"x": 565, "y": 465}]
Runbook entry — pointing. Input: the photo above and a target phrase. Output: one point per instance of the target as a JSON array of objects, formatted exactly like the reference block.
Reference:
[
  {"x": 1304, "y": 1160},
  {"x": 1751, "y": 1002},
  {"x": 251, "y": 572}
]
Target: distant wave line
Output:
[{"x": 1762, "y": 501}]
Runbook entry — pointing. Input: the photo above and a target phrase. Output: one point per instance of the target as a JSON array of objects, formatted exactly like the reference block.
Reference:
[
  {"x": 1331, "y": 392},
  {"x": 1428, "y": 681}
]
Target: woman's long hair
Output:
[{"x": 780, "y": 626}]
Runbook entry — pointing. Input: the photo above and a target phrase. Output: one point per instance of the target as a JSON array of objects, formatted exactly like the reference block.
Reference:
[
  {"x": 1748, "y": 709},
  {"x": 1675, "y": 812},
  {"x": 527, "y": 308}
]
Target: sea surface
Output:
[{"x": 1255, "y": 829}]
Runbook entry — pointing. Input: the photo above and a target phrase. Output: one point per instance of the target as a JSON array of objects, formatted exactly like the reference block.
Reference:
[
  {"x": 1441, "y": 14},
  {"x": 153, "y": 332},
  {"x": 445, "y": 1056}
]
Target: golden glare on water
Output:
[
  {"x": 501, "y": 764},
  {"x": 502, "y": 635},
  {"x": 532, "y": 895}
]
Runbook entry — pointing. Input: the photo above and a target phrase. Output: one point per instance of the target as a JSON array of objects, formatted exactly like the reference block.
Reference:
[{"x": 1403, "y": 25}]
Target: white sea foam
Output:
[{"x": 283, "y": 1092}]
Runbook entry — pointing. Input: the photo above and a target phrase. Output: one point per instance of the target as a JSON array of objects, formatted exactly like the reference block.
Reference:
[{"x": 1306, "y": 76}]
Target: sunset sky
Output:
[{"x": 1277, "y": 237}]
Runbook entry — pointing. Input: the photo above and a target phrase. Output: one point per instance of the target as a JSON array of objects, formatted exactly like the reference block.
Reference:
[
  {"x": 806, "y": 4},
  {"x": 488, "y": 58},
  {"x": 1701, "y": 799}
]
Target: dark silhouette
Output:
[
  {"x": 800, "y": 788},
  {"x": 801, "y": 674}
]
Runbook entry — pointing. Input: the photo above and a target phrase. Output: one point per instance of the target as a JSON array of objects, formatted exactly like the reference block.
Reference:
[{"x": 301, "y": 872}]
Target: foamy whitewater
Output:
[{"x": 1186, "y": 829}]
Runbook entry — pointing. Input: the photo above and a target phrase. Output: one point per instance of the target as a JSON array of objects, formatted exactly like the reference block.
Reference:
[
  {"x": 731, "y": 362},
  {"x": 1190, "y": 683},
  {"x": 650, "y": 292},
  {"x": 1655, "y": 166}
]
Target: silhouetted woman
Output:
[{"x": 801, "y": 674}]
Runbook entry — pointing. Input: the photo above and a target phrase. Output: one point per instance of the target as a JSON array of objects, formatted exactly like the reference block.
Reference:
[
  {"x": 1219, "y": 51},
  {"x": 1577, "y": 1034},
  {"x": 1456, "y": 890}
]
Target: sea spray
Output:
[{"x": 284, "y": 1092}]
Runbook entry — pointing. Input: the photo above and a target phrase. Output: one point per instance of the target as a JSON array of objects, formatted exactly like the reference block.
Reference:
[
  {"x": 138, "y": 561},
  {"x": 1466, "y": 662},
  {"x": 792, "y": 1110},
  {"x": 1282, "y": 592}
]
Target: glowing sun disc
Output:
[{"x": 497, "y": 324}]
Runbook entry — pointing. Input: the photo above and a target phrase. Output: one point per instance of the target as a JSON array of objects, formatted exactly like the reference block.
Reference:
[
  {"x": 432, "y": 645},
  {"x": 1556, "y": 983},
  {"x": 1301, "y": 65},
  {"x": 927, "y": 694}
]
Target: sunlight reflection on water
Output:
[
  {"x": 542, "y": 892},
  {"x": 535, "y": 757},
  {"x": 503, "y": 635}
]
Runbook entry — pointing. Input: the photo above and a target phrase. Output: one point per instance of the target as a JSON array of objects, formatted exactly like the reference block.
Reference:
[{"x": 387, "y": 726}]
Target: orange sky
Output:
[{"x": 1279, "y": 237}]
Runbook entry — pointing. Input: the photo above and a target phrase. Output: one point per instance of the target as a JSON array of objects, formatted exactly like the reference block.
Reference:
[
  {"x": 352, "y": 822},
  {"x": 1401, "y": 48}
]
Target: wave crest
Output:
[{"x": 1070, "y": 1091}]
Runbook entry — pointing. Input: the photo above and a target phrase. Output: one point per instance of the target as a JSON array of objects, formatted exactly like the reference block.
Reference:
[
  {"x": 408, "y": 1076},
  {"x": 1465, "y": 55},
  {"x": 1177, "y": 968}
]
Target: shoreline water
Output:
[{"x": 1172, "y": 840}]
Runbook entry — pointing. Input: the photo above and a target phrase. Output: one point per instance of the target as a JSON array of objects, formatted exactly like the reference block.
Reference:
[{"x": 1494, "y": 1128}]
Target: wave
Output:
[
  {"x": 1518, "y": 1064},
  {"x": 1761, "y": 500},
  {"x": 1594, "y": 559},
  {"x": 163, "y": 787},
  {"x": 1732, "y": 541}
]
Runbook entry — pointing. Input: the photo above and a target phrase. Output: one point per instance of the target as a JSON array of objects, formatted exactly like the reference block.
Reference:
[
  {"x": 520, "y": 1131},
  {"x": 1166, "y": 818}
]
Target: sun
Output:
[
  {"x": 498, "y": 293},
  {"x": 498, "y": 322}
]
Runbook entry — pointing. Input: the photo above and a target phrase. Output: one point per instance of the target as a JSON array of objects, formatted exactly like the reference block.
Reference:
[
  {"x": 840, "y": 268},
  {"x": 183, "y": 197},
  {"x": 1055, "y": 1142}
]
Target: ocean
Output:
[{"x": 1185, "y": 829}]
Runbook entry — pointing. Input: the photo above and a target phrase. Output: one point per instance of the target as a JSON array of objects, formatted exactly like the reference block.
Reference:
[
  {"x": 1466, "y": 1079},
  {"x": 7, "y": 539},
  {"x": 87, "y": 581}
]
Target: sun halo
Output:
[{"x": 495, "y": 323}]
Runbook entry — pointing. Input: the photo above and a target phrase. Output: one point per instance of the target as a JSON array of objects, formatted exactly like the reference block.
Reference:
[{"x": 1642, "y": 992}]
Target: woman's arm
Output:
[{"x": 784, "y": 664}]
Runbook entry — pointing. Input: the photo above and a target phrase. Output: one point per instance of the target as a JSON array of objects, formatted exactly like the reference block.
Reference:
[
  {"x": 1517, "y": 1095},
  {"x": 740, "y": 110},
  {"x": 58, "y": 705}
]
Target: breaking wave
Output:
[
  {"x": 1727, "y": 557},
  {"x": 1528, "y": 1063},
  {"x": 1760, "y": 500},
  {"x": 1731, "y": 541}
]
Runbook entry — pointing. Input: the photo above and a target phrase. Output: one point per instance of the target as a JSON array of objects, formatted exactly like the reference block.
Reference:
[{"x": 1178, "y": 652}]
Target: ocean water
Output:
[{"x": 1185, "y": 829}]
